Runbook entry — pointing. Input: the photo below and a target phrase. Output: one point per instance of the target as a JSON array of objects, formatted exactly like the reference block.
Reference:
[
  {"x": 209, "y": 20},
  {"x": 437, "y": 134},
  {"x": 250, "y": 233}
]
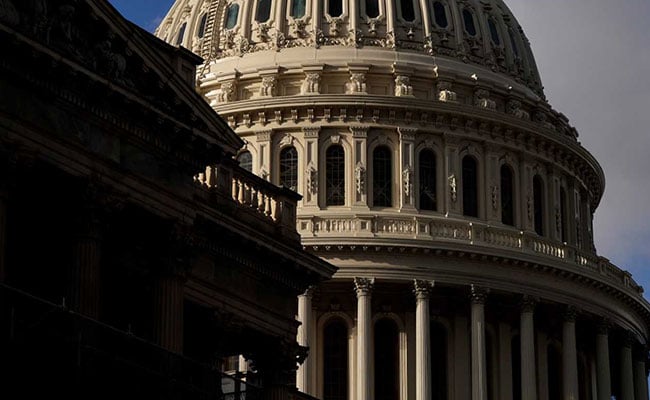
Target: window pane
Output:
[
  {"x": 335, "y": 361},
  {"x": 335, "y": 176},
  {"x": 298, "y": 8},
  {"x": 470, "y": 187},
  {"x": 382, "y": 177},
  {"x": 386, "y": 360},
  {"x": 538, "y": 200},
  {"x": 440, "y": 14},
  {"x": 494, "y": 32},
  {"x": 372, "y": 8},
  {"x": 408, "y": 12},
  {"x": 263, "y": 11},
  {"x": 181, "y": 34},
  {"x": 507, "y": 196},
  {"x": 335, "y": 8},
  {"x": 232, "y": 15},
  {"x": 428, "y": 181},
  {"x": 289, "y": 168},
  {"x": 246, "y": 161},
  {"x": 202, "y": 23},
  {"x": 468, "y": 19}
]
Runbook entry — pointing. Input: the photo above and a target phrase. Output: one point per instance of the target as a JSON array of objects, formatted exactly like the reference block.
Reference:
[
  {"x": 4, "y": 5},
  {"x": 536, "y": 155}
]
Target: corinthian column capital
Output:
[
  {"x": 478, "y": 294},
  {"x": 528, "y": 303},
  {"x": 422, "y": 288},
  {"x": 364, "y": 286}
]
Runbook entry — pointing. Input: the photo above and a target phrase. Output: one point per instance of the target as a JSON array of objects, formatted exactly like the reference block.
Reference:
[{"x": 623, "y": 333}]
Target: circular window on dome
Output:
[{"x": 232, "y": 15}]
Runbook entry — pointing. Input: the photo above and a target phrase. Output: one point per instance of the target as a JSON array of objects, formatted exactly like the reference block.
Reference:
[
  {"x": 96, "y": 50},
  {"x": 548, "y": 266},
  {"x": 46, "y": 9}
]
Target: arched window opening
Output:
[
  {"x": 263, "y": 11},
  {"x": 563, "y": 215},
  {"x": 181, "y": 34},
  {"x": 468, "y": 20},
  {"x": 202, "y": 23},
  {"x": 470, "y": 187},
  {"x": 439, "y": 366},
  {"x": 513, "y": 43},
  {"x": 335, "y": 176},
  {"x": 554, "y": 372},
  {"x": 408, "y": 10},
  {"x": 232, "y": 15},
  {"x": 335, "y": 8},
  {"x": 382, "y": 182},
  {"x": 372, "y": 8},
  {"x": 289, "y": 168},
  {"x": 428, "y": 176},
  {"x": 298, "y": 8},
  {"x": 507, "y": 196},
  {"x": 515, "y": 354},
  {"x": 440, "y": 15},
  {"x": 494, "y": 31},
  {"x": 386, "y": 360},
  {"x": 335, "y": 360},
  {"x": 538, "y": 203},
  {"x": 245, "y": 160}
]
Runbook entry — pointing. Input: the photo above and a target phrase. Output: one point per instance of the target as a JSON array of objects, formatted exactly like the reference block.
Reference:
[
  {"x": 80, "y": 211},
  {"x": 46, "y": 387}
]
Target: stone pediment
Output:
[{"x": 96, "y": 41}]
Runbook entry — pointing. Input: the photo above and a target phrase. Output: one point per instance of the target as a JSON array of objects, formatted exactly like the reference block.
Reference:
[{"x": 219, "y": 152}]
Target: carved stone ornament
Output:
[
  {"x": 357, "y": 83},
  {"x": 335, "y": 24},
  {"x": 514, "y": 108},
  {"x": 478, "y": 294},
  {"x": 312, "y": 178},
  {"x": 453, "y": 188},
  {"x": 403, "y": 86},
  {"x": 528, "y": 303},
  {"x": 311, "y": 84},
  {"x": 407, "y": 179},
  {"x": 482, "y": 100},
  {"x": 444, "y": 92},
  {"x": 298, "y": 27},
  {"x": 336, "y": 139},
  {"x": 422, "y": 288},
  {"x": 529, "y": 203},
  {"x": 287, "y": 140},
  {"x": 360, "y": 178},
  {"x": 364, "y": 286},
  {"x": 495, "y": 198},
  {"x": 268, "y": 86},
  {"x": 227, "y": 92},
  {"x": 8, "y": 13}
]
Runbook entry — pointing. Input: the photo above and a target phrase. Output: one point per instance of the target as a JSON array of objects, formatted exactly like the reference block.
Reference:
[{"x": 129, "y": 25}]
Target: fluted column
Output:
[
  {"x": 168, "y": 292},
  {"x": 603, "y": 377},
  {"x": 479, "y": 370},
  {"x": 363, "y": 287},
  {"x": 422, "y": 340},
  {"x": 640, "y": 376},
  {"x": 304, "y": 374},
  {"x": 527, "y": 342},
  {"x": 569, "y": 356},
  {"x": 627, "y": 376}
]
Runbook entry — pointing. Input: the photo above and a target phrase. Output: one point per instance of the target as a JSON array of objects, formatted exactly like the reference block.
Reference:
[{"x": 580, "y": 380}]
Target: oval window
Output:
[
  {"x": 440, "y": 14},
  {"x": 201, "y": 32},
  {"x": 468, "y": 20},
  {"x": 263, "y": 11},
  {"x": 298, "y": 8},
  {"x": 372, "y": 8},
  {"x": 181, "y": 34},
  {"x": 494, "y": 32},
  {"x": 335, "y": 8},
  {"x": 408, "y": 11},
  {"x": 232, "y": 16}
]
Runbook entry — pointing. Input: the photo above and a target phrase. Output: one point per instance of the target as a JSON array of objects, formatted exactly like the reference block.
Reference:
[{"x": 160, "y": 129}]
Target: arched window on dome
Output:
[
  {"x": 538, "y": 204},
  {"x": 494, "y": 31},
  {"x": 428, "y": 175},
  {"x": 289, "y": 168},
  {"x": 470, "y": 187},
  {"x": 335, "y": 360},
  {"x": 263, "y": 12},
  {"x": 382, "y": 182},
  {"x": 245, "y": 159},
  {"x": 513, "y": 43},
  {"x": 372, "y": 8},
  {"x": 439, "y": 366},
  {"x": 386, "y": 360},
  {"x": 232, "y": 16},
  {"x": 439, "y": 12},
  {"x": 507, "y": 196},
  {"x": 335, "y": 8},
  {"x": 564, "y": 228},
  {"x": 202, "y": 23},
  {"x": 408, "y": 10},
  {"x": 468, "y": 21},
  {"x": 298, "y": 8},
  {"x": 335, "y": 176},
  {"x": 181, "y": 34}
]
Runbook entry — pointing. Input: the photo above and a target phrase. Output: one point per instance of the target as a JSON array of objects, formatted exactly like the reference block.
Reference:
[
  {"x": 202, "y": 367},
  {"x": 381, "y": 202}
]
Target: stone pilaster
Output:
[
  {"x": 527, "y": 342},
  {"x": 363, "y": 287},
  {"x": 263, "y": 155},
  {"x": 305, "y": 371},
  {"x": 603, "y": 377},
  {"x": 479, "y": 370},
  {"x": 569, "y": 356},
  {"x": 626, "y": 372},
  {"x": 310, "y": 191},
  {"x": 422, "y": 340},
  {"x": 360, "y": 139},
  {"x": 407, "y": 168}
]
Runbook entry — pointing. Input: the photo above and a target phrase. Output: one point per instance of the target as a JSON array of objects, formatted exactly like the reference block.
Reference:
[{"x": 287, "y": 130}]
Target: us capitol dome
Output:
[{"x": 455, "y": 201}]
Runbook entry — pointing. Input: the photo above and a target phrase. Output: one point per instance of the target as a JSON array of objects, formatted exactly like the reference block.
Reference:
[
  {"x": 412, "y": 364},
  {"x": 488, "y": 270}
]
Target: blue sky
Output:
[{"x": 594, "y": 63}]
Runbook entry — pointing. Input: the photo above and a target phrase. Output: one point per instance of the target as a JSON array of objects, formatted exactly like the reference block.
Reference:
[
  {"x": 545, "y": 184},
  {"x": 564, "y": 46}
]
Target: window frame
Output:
[
  {"x": 390, "y": 169},
  {"x": 342, "y": 175},
  {"x": 436, "y": 180},
  {"x": 477, "y": 186},
  {"x": 227, "y": 16}
]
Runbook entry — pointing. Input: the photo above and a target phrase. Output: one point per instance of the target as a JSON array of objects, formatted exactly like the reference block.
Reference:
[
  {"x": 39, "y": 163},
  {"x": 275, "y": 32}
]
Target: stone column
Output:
[
  {"x": 311, "y": 166},
  {"x": 168, "y": 293},
  {"x": 304, "y": 375},
  {"x": 363, "y": 287},
  {"x": 640, "y": 376},
  {"x": 407, "y": 168},
  {"x": 360, "y": 157},
  {"x": 422, "y": 340},
  {"x": 479, "y": 371},
  {"x": 603, "y": 377},
  {"x": 627, "y": 376},
  {"x": 527, "y": 342},
  {"x": 569, "y": 356}
]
